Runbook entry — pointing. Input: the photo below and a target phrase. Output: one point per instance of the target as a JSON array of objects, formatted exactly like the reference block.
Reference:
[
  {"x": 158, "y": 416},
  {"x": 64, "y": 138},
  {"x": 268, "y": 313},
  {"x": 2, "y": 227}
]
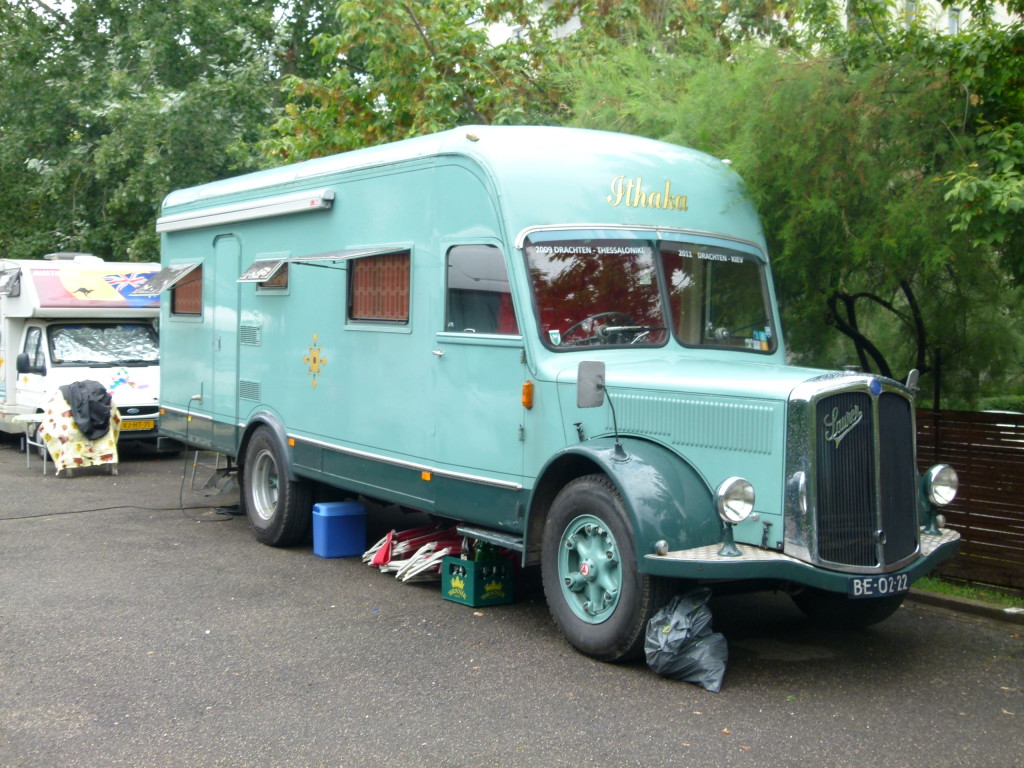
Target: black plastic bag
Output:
[{"x": 680, "y": 644}]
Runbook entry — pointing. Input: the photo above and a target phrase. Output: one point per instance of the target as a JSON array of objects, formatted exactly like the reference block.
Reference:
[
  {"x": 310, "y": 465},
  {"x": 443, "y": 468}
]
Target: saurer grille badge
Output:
[{"x": 837, "y": 427}]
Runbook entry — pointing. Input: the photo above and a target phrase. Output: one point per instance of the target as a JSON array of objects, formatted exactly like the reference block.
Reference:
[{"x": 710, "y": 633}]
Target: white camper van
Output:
[{"x": 73, "y": 317}]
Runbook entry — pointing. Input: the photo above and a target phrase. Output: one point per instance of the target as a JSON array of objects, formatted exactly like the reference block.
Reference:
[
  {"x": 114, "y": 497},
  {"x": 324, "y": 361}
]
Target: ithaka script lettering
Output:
[{"x": 631, "y": 193}]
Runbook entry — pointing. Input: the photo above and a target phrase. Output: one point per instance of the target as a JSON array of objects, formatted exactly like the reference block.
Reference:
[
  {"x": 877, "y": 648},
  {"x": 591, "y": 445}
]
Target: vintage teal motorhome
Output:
[{"x": 565, "y": 340}]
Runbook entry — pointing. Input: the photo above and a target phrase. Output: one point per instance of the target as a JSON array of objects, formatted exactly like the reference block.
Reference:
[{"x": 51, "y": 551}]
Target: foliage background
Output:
[{"x": 886, "y": 157}]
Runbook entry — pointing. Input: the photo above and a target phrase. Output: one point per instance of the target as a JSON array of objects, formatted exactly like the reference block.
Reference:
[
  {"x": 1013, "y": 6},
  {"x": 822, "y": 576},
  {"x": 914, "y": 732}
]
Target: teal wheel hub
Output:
[{"x": 589, "y": 570}]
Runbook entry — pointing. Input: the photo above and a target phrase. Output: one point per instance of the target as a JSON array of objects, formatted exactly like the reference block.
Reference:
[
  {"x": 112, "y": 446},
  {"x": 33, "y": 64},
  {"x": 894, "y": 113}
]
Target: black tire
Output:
[
  {"x": 835, "y": 610},
  {"x": 614, "y": 629},
  {"x": 279, "y": 509}
]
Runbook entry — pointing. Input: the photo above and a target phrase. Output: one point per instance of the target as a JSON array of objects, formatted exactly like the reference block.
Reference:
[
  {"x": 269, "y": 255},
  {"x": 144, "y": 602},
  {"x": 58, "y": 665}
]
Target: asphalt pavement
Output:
[{"x": 140, "y": 627}]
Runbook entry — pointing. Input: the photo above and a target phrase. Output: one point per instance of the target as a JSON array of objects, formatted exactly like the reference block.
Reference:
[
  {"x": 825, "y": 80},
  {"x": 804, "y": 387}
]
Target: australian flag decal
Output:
[{"x": 126, "y": 283}]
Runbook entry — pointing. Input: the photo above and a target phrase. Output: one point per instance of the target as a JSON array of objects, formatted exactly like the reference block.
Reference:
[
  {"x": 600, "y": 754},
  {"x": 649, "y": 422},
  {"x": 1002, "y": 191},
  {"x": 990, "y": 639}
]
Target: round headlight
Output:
[
  {"x": 735, "y": 500},
  {"x": 940, "y": 484}
]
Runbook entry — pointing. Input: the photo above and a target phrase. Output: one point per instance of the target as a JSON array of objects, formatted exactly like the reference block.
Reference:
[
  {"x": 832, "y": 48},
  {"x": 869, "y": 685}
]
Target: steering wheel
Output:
[
  {"x": 722, "y": 333},
  {"x": 602, "y": 333}
]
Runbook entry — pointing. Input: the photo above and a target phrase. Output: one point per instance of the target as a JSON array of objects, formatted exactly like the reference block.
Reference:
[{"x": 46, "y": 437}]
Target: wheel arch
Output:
[
  {"x": 277, "y": 433},
  {"x": 277, "y": 504},
  {"x": 665, "y": 497}
]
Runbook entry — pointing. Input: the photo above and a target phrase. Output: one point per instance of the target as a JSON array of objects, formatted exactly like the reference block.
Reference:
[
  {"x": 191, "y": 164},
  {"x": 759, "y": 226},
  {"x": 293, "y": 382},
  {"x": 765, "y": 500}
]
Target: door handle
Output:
[{"x": 438, "y": 353}]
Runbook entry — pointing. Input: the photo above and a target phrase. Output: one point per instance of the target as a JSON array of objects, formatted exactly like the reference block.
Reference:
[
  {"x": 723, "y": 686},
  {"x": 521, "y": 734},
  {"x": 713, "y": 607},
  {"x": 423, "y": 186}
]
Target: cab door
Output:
[
  {"x": 480, "y": 370},
  {"x": 30, "y": 388}
]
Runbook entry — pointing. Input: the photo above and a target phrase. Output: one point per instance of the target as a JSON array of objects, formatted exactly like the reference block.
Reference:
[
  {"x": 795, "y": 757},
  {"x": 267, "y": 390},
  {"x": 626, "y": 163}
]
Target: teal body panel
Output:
[
  {"x": 721, "y": 417},
  {"x": 382, "y": 411},
  {"x": 430, "y": 416}
]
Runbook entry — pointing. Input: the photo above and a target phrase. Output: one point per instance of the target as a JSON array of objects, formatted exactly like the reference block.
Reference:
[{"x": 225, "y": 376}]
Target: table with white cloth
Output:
[{"x": 68, "y": 447}]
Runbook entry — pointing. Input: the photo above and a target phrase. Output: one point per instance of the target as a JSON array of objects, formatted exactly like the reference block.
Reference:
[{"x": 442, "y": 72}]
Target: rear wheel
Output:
[
  {"x": 832, "y": 609},
  {"x": 598, "y": 599},
  {"x": 279, "y": 509}
]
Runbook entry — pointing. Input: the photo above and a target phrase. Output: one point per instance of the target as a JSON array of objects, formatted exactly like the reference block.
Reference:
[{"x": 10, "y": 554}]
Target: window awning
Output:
[
  {"x": 262, "y": 270},
  {"x": 166, "y": 278},
  {"x": 280, "y": 205},
  {"x": 265, "y": 269}
]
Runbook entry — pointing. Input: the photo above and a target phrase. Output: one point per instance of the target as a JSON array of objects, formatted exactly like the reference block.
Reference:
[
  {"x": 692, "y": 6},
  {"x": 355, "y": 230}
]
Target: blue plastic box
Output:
[{"x": 339, "y": 529}]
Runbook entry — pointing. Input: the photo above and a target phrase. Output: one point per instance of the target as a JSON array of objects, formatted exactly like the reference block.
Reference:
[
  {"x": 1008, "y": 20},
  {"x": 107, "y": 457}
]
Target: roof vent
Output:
[{"x": 81, "y": 258}]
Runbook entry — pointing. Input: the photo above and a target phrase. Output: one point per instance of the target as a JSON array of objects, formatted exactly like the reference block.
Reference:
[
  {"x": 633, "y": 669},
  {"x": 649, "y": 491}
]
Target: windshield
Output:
[
  {"x": 641, "y": 293},
  {"x": 104, "y": 344}
]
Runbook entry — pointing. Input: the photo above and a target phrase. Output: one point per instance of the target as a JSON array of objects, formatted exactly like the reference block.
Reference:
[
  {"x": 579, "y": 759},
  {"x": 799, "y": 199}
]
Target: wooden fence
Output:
[{"x": 987, "y": 451}]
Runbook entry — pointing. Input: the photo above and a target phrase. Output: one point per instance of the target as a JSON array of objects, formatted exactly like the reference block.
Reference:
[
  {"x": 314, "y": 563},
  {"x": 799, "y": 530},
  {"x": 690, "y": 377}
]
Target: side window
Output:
[
  {"x": 187, "y": 296},
  {"x": 379, "y": 288},
  {"x": 717, "y": 297},
  {"x": 34, "y": 347},
  {"x": 279, "y": 280},
  {"x": 478, "y": 297}
]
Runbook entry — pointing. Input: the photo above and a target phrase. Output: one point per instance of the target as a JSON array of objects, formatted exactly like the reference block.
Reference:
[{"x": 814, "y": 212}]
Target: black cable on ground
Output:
[{"x": 121, "y": 506}]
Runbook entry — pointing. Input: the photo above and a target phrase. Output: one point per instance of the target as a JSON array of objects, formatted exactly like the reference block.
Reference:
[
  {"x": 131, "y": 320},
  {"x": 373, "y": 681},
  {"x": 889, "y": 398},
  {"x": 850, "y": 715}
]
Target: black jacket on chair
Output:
[{"x": 90, "y": 407}]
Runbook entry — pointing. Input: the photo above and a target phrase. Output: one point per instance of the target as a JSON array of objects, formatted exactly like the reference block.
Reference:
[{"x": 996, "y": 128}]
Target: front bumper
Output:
[{"x": 705, "y": 564}]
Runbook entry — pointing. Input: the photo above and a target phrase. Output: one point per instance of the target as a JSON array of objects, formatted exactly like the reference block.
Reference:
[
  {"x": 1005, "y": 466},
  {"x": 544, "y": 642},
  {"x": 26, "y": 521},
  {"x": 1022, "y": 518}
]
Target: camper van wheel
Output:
[
  {"x": 279, "y": 509},
  {"x": 598, "y": 599},
  {"x": 832, "y": 609}
]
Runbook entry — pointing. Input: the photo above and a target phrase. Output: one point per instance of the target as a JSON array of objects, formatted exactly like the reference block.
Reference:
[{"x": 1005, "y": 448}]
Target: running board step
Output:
[{"x": 498, "y": 538}]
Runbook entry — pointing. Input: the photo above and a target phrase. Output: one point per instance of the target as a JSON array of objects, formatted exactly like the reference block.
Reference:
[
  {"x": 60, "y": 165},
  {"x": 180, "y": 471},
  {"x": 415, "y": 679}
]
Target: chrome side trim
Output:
[
  {"x": 476, "y": 479},
  {"x": 184, "y": 412}
]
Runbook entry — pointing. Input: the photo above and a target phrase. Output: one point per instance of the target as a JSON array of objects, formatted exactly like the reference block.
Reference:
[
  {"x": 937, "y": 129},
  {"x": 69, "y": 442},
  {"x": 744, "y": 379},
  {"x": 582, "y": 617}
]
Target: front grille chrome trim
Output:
[{"x": 823, "y": 525}]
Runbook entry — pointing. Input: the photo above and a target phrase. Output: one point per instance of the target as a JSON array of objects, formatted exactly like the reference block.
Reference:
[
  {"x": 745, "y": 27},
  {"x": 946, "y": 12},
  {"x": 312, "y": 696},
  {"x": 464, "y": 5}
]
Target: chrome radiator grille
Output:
[
  {"x": 897, "y": 477},
  {"x": 865, "y": 478}
]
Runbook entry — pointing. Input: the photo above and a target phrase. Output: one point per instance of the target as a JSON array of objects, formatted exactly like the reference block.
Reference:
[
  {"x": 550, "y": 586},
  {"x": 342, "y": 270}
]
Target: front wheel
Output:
[
  {"x": 279, "y": 509},
  {"x": 596, "y": 596},
  {"x": 832, "y": 609}
]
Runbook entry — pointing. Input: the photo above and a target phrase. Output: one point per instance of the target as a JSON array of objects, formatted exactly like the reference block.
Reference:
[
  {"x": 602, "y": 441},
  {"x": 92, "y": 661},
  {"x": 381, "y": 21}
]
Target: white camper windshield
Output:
[
  {"x": 636, "y": 293},
  {"x": 104, "y": 344}
]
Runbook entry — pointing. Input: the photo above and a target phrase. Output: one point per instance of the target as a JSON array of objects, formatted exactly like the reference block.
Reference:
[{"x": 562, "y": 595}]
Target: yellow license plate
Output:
[{"x": 138, "y": 424}]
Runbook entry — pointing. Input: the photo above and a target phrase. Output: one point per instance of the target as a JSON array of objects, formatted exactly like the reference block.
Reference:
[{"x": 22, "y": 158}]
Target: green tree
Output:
[
  {"x": 391, "y": 70},
  {"x": 853, "y": 141},
  {"x": 397, "y": 69},
  {"x": 107, "y": 107}
]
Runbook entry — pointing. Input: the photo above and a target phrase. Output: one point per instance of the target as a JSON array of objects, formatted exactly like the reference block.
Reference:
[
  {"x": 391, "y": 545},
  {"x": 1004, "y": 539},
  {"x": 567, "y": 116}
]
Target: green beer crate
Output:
[{"x": 477, "y": 583}]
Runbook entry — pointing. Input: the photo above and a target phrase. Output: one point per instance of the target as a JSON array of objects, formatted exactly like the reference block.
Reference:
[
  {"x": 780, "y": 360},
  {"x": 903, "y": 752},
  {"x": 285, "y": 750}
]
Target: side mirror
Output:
[
  {"x": 23, "y": 366},
  {"x": 590, "y": 384}
]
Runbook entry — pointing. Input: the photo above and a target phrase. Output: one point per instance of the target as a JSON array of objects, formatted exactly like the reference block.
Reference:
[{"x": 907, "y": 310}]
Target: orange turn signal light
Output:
[{"x": 527, "y": 394}]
